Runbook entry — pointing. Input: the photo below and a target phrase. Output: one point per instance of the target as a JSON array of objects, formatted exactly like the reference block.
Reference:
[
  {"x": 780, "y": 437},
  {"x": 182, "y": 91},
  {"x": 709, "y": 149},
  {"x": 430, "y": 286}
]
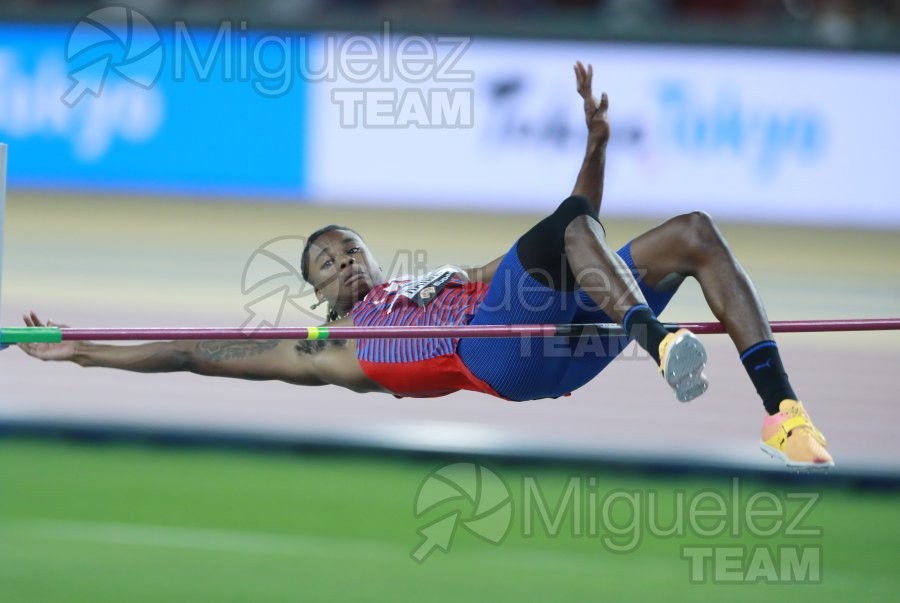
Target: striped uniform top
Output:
[{"x": 419, "y": 367}]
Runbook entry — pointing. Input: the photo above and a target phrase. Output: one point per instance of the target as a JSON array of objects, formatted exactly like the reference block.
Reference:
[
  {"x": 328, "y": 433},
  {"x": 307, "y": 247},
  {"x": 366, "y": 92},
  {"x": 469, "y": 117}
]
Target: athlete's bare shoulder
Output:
[{"x": 335, "y": 360}]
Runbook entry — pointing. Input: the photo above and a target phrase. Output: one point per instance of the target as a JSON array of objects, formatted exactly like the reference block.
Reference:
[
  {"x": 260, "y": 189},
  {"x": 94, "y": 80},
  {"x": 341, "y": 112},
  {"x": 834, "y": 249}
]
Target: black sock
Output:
[
  {"x": 763, "y": 364},
  {"x": 642, "y": 326}
]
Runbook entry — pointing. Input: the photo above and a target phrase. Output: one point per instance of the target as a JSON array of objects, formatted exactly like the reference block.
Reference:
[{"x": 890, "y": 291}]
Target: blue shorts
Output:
[{"x": 534, "y": 367}]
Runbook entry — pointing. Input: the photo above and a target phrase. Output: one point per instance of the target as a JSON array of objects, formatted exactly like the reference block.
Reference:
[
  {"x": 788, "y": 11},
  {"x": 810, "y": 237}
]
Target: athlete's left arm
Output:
[
  {"x": 590, "y": 178},
  {"x": 482, "y": 274}
]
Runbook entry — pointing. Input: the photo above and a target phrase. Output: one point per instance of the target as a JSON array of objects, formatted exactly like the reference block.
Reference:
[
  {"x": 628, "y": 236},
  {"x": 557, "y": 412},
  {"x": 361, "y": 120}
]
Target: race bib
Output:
[{"x": 426, "y": 288}]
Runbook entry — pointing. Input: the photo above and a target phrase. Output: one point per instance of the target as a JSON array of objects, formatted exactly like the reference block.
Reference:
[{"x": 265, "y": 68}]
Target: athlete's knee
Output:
[
  {"x": 700, "y": 220},
  {"x": 700, "y": 233},
  {"x": 579, "y": 229},
  {"x": 574, "y": 210},
  {"x": 582, "y": 227},
  {"x": 575, "y": 218}
]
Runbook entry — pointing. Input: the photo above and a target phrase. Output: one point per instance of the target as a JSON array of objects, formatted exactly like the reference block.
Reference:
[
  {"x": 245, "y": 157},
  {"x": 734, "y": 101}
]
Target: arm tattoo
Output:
[
  {"x": 230, "y": 350},
  {"x": 307, "y": 346}
]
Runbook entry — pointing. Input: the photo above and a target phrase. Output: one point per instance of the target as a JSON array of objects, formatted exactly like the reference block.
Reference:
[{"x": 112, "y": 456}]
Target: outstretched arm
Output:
[
  {"x": 590, "y": 179},
  {"x": 242, "y": 359}
]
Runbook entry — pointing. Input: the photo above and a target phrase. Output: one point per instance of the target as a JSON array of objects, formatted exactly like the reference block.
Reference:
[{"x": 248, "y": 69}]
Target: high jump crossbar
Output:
[{"x": 13, "y": 335}]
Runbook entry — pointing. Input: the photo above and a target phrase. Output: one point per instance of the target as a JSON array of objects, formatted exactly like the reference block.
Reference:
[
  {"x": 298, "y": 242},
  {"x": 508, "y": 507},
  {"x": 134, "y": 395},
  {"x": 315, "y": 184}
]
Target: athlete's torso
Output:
[
  {"x": 408, "y": 367},
  {"x": 418, "y": 367},
  {"x": 440, "y": 297}
]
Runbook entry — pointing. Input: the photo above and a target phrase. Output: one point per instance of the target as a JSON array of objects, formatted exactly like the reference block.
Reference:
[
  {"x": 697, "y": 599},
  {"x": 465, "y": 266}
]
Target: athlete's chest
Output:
[{"x": 429, "y": 299}]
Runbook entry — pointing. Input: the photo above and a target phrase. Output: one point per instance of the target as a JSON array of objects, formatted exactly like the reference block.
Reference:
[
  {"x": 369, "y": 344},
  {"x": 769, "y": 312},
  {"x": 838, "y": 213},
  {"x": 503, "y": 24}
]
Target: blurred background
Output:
[{"x": 166, "y": 159}]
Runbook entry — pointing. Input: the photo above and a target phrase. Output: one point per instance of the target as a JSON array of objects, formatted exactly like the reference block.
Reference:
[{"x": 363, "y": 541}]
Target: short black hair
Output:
[{"x": 304, "y": 259}]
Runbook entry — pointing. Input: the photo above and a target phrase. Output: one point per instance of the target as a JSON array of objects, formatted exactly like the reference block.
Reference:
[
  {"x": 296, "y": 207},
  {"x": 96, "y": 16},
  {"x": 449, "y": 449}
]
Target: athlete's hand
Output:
[
  {"x": 47, "y": 351},
  {"x": 595, "y": 112}
]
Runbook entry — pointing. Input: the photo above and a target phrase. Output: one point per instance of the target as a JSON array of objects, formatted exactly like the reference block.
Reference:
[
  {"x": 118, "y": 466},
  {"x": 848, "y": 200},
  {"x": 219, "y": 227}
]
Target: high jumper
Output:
[{"x": 560, "y": 271}]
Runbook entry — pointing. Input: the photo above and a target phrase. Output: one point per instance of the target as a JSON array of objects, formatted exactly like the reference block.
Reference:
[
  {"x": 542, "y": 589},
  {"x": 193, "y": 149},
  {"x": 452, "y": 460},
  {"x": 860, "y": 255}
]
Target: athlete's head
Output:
[{"x": 337, "y": 263}]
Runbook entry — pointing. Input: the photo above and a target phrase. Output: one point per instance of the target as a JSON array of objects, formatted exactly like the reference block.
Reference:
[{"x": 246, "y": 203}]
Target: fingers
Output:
[
  {"x": 583, "y": 78},
  {"x": 604, "y": 102},
  {"x": 584, "y": 73},
  {"x": 31, "y": 319},
  {"x": 579, "y": 69}
]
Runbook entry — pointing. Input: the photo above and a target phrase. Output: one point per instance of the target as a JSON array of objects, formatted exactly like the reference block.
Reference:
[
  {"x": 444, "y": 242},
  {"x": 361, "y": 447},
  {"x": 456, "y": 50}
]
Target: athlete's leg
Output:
[
  {"x": 526, "y": 289},
  {"x": 592, "y": 354},
  {"x": 582, "y": 259},
  {"x": 535, "y": 283},
  {"x": 692, "y": 245},
  {"x": 609, "y": 281}
]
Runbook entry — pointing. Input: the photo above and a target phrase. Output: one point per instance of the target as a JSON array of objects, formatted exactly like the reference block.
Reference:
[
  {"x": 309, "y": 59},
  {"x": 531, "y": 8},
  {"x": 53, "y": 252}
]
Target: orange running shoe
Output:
[{"x": 790, "y": 436}]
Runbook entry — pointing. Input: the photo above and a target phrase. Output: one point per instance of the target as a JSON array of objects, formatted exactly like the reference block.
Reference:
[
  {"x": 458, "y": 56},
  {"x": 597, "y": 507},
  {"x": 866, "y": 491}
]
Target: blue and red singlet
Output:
[{"x": 419, "y": 367}]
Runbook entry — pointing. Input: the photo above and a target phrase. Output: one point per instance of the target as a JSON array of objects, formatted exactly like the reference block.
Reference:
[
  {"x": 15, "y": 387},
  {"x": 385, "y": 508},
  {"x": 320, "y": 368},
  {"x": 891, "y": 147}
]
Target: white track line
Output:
[
  {"x": 535, "y": 557},
  {"x": 202, "y": 539}
]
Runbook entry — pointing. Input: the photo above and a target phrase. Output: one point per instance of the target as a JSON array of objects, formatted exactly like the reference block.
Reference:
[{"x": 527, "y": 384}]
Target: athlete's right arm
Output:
[{"x": 242, "y": 359}]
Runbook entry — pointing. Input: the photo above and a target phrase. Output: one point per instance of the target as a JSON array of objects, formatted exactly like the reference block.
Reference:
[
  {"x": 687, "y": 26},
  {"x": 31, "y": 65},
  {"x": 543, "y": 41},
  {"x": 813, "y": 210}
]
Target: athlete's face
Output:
[{"x": 342, "y": 269}]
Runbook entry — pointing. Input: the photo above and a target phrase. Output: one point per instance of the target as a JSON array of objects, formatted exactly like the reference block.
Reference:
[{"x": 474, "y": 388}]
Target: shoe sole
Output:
[
  {"x": 806, "y": 467},
  {"x": 685, "y": 361}
]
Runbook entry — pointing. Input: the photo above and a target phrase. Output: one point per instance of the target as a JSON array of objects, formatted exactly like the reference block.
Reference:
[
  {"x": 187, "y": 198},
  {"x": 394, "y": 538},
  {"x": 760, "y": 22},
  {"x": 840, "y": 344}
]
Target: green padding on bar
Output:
[{"x": 9, "y": 335}]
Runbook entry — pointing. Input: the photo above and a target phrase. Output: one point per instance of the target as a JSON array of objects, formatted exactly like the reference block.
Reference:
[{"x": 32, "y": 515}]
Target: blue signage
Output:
[{"x": 114, "y": 102}]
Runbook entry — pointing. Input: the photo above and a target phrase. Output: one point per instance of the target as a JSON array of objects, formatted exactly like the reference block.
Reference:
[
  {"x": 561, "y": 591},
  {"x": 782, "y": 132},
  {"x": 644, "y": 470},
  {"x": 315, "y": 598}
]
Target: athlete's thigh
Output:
[
  {"x": 660, "y": 256},
  {"x": 519, "y": 368},
  {"x": 590, "y": 355}
]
